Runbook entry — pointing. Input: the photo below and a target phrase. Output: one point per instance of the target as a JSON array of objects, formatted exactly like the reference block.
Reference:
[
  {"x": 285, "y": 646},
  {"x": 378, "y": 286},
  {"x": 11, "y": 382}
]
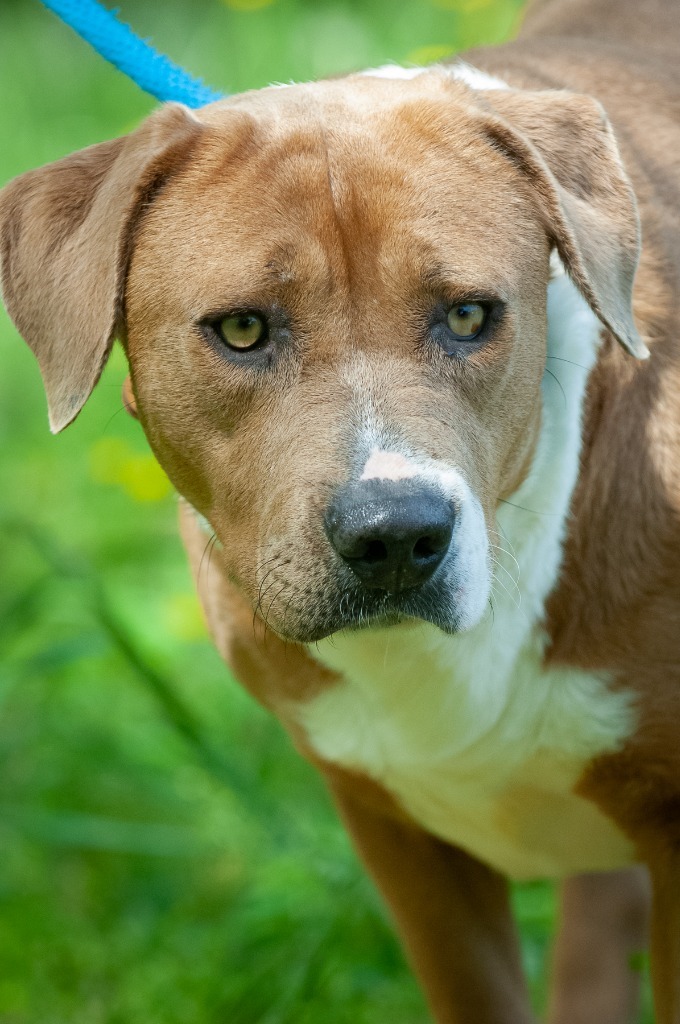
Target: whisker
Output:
[
  {"x": 499, "y": 565},
  {"x": 510, "y": 550},
  {"x": 261, "y": 592},
  {"x": 207, "y": 550},
  {"x": 113, "y": 416},
  {"x": 285, "y": 617},
  {"x": 533, "y": 511},
  {"x": 506, "y": 538},
  {"x": 493, "y": 611},
  {"x": 277, "y": 560},
  {"x": 557, "y": 381},
  {"x": 517, "y": 604},
  {"x": 571, "y": 362},
  {"x": 275, "y": 598},
  {"x": 211, "y": 550},
  {"x": 497, "y": 551},
  {"x": 498, "y": 561}
]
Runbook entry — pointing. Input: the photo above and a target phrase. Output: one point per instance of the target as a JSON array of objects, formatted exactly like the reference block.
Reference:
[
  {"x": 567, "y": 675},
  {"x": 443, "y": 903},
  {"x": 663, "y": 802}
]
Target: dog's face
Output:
[
  {"x": 288, "y": 321},
  {"x": 335, "y": 316}
]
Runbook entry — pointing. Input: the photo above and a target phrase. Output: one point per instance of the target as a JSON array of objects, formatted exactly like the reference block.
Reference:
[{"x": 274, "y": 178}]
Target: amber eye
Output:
[
  {"x": 242, "y": 331},
  {"x": 466, "y": 320}
]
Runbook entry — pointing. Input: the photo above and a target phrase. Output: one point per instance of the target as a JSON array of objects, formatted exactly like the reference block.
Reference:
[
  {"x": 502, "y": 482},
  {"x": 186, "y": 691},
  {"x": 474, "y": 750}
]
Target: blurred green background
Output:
[{"x": 165, "y": 856}]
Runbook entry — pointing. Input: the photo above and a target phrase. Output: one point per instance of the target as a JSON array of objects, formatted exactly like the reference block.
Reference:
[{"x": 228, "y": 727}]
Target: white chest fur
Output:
[{"x": 475, "y": 739}]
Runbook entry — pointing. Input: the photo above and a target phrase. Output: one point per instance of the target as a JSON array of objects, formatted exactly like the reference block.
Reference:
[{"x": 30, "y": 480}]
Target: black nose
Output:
[{"x": 392, "y": 534}]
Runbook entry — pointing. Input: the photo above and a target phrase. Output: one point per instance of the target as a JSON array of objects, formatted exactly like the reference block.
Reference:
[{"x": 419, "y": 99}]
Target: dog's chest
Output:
[{"x": 481, "y": 751}]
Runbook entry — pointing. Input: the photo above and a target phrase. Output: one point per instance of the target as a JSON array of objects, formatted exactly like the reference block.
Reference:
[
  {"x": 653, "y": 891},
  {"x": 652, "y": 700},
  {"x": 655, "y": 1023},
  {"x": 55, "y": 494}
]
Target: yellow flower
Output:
[
  {"x": 429, "y": 54},
  {"x": 247, "y": 5},
  {"x": 462, "y": 6},
  {"x": 183, "y": 617},
  {"x": 115, "y": 462}
]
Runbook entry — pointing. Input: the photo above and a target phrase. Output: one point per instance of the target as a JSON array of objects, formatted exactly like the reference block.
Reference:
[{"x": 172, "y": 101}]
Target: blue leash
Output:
[{"x": 137, "y": 59}]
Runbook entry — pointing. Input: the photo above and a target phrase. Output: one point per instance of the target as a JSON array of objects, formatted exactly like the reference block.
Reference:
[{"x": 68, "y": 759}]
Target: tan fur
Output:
[
  {"x": 345, "y": 211},
  {"x": 65, "y": 247}
]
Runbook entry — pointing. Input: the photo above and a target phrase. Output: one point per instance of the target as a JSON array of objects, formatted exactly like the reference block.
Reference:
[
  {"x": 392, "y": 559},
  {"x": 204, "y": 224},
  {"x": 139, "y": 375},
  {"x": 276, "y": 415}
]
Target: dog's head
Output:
[{"x": 333, "y": 301}]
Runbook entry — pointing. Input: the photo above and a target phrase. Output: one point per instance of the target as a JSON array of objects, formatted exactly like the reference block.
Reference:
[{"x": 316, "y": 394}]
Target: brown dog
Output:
[{"x": 383, "y": 337}]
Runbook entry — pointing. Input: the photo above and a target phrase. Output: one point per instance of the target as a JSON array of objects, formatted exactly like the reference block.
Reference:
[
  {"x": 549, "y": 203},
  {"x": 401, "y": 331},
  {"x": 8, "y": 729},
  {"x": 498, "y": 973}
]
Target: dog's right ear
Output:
[
  {"x": 564, "y": 146},
  {"x": 65, "y": 241}
]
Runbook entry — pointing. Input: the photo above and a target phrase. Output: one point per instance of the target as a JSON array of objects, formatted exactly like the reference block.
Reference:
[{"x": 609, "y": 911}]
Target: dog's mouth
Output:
[
  {"x": 354, "y": 608},
  {"x": 428, "y": 604}
]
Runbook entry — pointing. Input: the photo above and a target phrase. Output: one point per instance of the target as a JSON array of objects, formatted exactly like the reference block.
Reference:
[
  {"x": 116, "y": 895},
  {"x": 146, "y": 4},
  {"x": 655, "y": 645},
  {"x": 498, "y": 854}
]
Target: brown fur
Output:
[
  {"x": 344, "y": 210},
  {"x": 618, "y": 604}
]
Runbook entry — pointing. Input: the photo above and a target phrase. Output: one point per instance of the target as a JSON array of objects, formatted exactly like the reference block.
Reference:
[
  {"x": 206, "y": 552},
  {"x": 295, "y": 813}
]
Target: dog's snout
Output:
[{"x": 393, "y": 535}]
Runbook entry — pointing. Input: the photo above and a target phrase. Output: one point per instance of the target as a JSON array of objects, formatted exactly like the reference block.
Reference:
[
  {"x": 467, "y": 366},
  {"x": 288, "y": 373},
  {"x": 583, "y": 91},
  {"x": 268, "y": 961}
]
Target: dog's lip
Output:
[
  {"x": 406, "y": 609},
  {"x": 377, "y": 623}
]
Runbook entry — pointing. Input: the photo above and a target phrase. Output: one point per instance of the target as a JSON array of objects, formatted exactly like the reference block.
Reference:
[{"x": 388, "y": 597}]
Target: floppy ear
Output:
[
  {"x": 65, "y": 241},
  {"x": 563, "y": 144}
]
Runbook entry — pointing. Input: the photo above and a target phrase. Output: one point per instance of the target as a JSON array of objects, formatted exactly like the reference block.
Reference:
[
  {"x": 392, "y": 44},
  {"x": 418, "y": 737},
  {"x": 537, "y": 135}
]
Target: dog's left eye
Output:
[
  {"x": 466, "y": 320},
  {"x": 242, "y": 331}
]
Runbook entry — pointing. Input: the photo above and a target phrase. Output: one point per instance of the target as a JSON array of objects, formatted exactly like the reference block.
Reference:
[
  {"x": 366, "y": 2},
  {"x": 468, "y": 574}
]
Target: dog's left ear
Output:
[
  {"x": 563, "y": 144},
  {"x": 65, "y": 241}
]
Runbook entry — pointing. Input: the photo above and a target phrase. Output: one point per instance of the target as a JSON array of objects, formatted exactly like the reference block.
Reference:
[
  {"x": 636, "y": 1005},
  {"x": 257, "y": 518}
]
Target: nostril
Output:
[
  {"x": 425, "y": 548},
  {"x": 376, "y": 551}
]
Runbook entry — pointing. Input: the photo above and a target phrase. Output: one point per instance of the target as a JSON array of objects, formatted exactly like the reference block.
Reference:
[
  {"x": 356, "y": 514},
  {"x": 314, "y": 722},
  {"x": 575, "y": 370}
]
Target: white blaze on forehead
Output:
[
  {"x": 461, "y": 71},
  {"x": 474, "y": 78},
  {"x": 394, "y": 71},
  {"x": 384, "y": 465}
]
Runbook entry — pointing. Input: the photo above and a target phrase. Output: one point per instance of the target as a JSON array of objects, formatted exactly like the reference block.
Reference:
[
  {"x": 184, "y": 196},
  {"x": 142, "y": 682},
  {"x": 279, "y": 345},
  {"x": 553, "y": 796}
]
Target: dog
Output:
[{"x": 397, "y": 344}]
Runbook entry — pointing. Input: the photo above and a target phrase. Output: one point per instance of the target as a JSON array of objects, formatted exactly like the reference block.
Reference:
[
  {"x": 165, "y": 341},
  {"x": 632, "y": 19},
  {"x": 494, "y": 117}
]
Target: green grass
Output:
[{"x": 165, "y": 856}]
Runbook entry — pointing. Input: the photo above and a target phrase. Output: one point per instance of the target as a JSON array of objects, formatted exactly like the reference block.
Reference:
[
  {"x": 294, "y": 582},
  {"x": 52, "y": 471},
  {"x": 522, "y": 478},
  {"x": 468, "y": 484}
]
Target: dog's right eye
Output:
[
  {"x": 465, "y": 321},
  {"x": 242, "y": 331}
]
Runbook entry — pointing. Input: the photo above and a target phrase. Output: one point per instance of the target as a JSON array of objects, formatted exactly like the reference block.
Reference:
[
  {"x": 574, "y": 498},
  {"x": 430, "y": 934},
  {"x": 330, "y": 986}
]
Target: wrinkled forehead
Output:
[{"x": 350, "y": 181}]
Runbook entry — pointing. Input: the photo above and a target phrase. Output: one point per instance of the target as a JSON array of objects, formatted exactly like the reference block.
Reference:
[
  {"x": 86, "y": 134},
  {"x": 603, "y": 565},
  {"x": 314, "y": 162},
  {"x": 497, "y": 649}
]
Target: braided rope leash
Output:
[{"x": 118, "y": 44}]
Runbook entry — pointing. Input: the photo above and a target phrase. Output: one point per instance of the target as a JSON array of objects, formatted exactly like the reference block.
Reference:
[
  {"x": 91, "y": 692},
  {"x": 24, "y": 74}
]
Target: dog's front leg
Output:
[
  {"x": 452, "y": 912},
  {"x": 664, "y": 865},
  {"x": 604, "y": 920}
]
